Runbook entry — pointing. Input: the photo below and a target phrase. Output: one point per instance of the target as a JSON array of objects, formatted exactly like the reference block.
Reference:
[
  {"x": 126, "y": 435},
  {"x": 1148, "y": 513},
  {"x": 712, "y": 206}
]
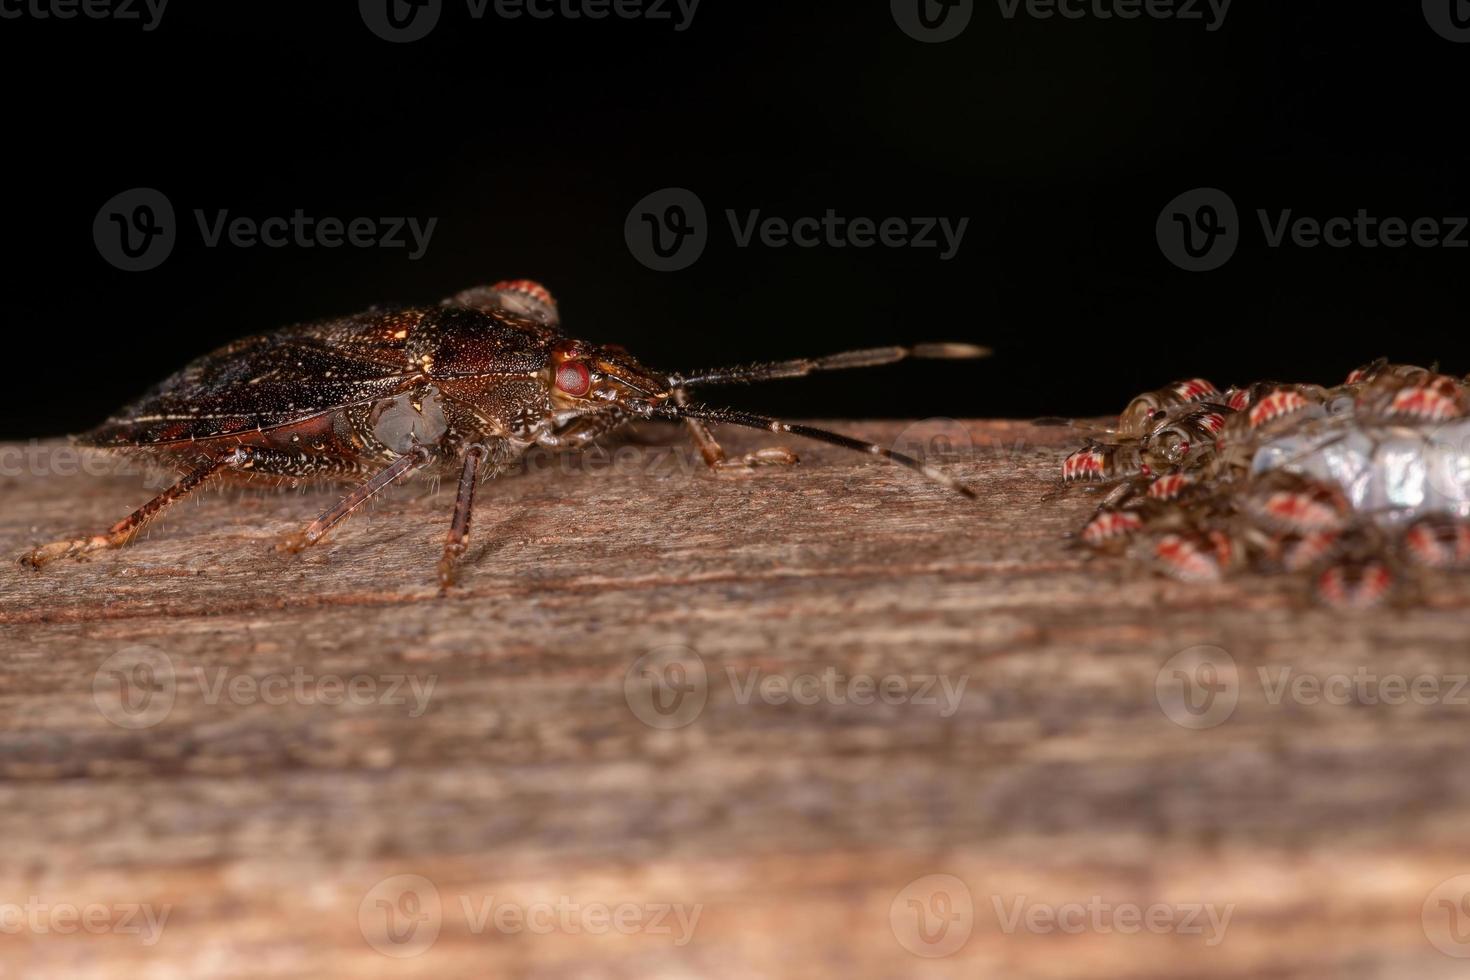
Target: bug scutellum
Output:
[{"x": 464, "y": 387}]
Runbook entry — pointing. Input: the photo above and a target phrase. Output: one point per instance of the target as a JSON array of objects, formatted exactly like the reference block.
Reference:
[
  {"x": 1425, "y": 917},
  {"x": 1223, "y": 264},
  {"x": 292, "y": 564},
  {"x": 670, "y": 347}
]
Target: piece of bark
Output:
[{"x": 266, "y": 818}]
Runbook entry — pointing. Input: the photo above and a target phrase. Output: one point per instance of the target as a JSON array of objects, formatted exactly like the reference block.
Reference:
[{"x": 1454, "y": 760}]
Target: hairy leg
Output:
[
  {"x": 459, "y": 528},
  {"x": 361, "y": 494},
  {"x": 126, "y": 529},
  {"x": 240, "y": 459}
]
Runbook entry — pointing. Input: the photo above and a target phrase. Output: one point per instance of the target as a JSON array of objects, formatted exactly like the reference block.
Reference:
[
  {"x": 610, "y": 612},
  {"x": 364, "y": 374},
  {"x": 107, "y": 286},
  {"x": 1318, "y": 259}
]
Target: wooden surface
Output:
[{"x": 265, "y": 825}]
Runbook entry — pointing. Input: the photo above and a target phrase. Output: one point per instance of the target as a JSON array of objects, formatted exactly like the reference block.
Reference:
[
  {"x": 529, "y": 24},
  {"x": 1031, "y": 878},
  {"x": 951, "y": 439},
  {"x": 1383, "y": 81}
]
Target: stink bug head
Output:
[{"x": 586, "y": 374}]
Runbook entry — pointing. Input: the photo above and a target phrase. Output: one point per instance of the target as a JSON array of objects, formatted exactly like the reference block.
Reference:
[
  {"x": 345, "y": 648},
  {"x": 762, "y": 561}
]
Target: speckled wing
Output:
[{"x": 276, "y": 379}]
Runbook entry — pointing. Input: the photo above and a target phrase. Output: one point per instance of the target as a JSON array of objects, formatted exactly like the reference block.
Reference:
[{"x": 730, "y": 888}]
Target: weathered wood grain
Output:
[{"x": 265, "y": 822}]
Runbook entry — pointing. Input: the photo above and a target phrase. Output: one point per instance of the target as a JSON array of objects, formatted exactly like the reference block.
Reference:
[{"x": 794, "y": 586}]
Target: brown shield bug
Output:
[{"x": 459, "y": 389}]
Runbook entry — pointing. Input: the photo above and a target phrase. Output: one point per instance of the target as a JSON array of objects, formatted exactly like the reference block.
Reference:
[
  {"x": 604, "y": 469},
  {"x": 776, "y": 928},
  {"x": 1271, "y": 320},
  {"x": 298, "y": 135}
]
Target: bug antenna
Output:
[
  {"x": 802, "y": 366},
  {"x": 750, "y": 420}
]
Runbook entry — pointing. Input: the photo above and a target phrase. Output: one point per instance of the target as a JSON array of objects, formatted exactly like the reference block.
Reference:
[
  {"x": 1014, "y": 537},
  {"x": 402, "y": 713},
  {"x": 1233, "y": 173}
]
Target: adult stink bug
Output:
[{"x": 465, "y": 387}]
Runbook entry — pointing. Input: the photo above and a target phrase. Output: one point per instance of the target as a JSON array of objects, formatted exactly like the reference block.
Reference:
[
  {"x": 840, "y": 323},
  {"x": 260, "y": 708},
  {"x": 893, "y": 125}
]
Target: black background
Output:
[{"x": 530, "y": 141}]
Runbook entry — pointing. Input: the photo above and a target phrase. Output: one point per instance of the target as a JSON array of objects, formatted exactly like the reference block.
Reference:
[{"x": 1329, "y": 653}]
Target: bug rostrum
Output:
[{"x": 462, "y": 388}]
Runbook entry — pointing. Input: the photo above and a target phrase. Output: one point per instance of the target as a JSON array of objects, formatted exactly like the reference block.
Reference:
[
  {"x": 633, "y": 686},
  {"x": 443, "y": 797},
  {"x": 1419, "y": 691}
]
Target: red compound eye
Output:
[{"x": 572, "y": 378}]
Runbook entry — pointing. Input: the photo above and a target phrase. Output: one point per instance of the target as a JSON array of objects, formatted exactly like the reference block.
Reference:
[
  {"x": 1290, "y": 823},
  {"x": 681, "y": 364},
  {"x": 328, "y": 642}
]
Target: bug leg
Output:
[
  {"x": 714, "y": 453},
  {"x": 360, "y": 495},
  {"x": 126, "y": 529},
  {"x": 459, "y": 528}
]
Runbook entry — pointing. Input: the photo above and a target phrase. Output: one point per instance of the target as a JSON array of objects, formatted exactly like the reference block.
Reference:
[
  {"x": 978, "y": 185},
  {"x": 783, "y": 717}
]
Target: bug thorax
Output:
[{"x": 583, "y": 375}]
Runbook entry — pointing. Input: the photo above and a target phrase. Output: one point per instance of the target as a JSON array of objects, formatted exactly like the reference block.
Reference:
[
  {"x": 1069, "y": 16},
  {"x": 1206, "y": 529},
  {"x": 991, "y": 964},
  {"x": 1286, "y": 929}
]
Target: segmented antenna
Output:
[{"x": 802, "y": 366}]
